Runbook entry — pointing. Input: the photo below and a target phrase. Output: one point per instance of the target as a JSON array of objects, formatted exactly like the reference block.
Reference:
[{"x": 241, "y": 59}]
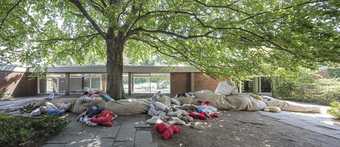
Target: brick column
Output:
[
  {"x": 192, "y": 81},
  {"x": 67, "y": 83},
  {"x": 130, "y": 83}
]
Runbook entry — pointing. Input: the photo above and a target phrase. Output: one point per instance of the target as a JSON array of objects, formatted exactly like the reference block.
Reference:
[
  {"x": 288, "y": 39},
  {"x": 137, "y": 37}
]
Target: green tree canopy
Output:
[{"x": 224, "y": 38}]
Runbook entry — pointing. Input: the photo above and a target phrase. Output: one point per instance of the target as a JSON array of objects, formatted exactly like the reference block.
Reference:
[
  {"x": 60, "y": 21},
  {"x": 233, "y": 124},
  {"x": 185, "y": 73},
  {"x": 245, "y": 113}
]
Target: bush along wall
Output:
[
  {"x": 335, "y": 109},
  {"x": 308, "y": 87},
  {"x": 323, "y": 91},
  {"x": 18, "y": 131}
]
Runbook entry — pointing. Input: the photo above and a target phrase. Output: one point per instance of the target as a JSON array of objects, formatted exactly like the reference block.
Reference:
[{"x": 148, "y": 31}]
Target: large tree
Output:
[{"x": 233, "y": 38}]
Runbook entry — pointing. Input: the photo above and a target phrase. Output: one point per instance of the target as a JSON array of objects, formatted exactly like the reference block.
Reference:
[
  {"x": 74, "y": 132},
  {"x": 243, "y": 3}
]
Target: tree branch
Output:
[
  {"x": 68, "y": 39},
  {"x": 277, "y": 9},
  {"x": 88, "y": 17},
  {"x": 132, "y": 25},
  {"x": 8, "y": 12},
  {"x": 103, "y": 2},
  {"x": 123, "y": 10},
  {"x": 179, "y": 35},
  {"x": 158, "y": 49},
  {"x": 181, "y": 53},
  {"x": 225, "y": 6},
  {"x": 203, "y": 24},
  {"x": 97, "y": 6}
]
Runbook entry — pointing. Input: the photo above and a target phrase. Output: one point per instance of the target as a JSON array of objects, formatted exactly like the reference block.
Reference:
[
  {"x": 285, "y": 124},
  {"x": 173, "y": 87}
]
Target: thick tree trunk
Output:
[{"x": 114, "y": 66}]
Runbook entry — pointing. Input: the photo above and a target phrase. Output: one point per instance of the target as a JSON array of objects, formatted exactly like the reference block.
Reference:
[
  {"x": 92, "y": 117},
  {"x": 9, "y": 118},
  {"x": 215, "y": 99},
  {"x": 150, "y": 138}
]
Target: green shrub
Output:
[
  {"x": 2, "y": 93},
  {"x": 335, "y": 109},
  {"x": 24, "y": 131},
  {"x": 308, "y": 86}
]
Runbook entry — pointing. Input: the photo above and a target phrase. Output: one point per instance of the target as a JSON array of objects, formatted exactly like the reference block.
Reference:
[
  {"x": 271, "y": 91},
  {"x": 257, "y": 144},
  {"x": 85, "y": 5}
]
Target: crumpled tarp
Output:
[
  {"x": 232, "y": 102},
  {"x": 51, "y": 109},
  {"x": 128, "y": 106},
  {"x": 84, "y": 102},
  {"x": 289, "y": 106},
  {"x": 226, "y": 88}
]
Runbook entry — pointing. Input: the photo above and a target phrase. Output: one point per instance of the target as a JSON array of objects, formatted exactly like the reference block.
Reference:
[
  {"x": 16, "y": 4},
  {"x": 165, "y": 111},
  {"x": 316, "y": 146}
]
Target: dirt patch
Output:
[{"x": 246, "y": 129}]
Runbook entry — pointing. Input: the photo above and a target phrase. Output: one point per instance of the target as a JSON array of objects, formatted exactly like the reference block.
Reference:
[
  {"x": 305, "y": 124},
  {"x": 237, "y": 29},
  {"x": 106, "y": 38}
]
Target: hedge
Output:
[{"x": 24, "y": 131}]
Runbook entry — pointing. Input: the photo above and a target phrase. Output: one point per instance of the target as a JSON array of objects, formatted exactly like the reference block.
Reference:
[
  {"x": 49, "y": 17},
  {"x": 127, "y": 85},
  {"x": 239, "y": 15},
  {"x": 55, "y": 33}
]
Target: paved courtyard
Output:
[
  {"x": 129, "y": 131},
  {"x": 322, "y": 123}
]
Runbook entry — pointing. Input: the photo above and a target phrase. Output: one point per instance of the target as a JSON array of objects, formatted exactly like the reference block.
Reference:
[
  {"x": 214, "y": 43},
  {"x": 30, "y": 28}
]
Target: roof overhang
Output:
[
  {"x": 12, "y": 68},
  {"x": 126, "y": 68}
]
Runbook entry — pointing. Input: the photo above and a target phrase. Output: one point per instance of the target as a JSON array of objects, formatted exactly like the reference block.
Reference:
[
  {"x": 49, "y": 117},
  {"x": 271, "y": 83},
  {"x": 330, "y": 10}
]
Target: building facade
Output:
[{"x": 137, "y": 80}]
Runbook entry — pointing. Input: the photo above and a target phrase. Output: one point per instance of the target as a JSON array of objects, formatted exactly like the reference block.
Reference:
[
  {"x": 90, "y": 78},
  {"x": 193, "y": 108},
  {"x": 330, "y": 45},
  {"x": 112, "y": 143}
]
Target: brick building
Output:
[{"x": 137, "y": 80}]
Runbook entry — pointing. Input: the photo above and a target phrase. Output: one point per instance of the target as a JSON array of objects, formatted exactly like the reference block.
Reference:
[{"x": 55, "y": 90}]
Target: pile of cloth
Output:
[
  {"x": 170, "y": 113},
  {"x": 226, "y": 97},
  {"x": 57, "y": 109},
  {"x": 95, "y": 115},
  {"x": 120, "y": 107},
  {"x": 186, "y": 108}
]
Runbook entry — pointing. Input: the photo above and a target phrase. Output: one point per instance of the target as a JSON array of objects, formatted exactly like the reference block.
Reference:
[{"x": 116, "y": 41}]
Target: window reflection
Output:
[{"x": 151, "y": 83}]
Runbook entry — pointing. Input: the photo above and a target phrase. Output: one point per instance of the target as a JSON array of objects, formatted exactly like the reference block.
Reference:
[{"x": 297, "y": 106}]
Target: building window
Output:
[
  {"x": 160, "y": 82},
  {"x": 76, "y": 83},
  {"x": 126, "y": 82},
  {"x": 141, "y": 83},
  {"x": 151, "y": 83},
  {"x": 55, "y": 83},
  {"x": 93, "y": 82}
]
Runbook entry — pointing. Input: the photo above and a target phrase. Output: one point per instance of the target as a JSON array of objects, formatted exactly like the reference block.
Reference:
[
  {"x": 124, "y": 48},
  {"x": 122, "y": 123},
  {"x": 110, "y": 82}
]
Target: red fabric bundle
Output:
[
  {"x": 206, "y": 102},
  {"x": 213, "y": 115},
  {"x": 203, "y": 102},
  {"x": 193, "y": 115},
  {"x": 196, "y": 115},
  {"x": 202, "y": 116},
  {"x": 161, "y": 127},
  {"x": 167, "y": 134},
  {"x": 104, "y": 118},
  {"x": 175, "y": 129},
  {"x": 167, "y": 131}
]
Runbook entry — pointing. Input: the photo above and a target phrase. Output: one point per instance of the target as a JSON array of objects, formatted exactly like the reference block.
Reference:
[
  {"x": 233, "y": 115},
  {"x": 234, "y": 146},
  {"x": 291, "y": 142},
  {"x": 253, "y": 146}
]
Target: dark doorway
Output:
[
  {"x": 266, "y": 84},
  {"x": 247, "y": 86}
]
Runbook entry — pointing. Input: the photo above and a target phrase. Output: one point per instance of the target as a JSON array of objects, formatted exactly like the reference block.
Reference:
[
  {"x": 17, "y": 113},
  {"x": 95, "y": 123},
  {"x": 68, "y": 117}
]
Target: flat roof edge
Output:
[
  {"x": 13, "y": 68},
  {"x": 126, "y": 68}
]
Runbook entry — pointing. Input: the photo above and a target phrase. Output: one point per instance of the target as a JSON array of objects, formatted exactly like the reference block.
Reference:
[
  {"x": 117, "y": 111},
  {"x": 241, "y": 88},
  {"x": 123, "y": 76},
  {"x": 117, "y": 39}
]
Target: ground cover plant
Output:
[{"x": 19, "y": 131}]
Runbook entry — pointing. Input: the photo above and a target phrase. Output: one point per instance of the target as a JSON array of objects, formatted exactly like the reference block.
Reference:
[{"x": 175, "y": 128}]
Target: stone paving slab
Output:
[
  {"x": 144, "y": 139},
  {"x": 320, "y": 123},
  {"x": 124, "y": 144},
  {"x": 125, "y": 132}
]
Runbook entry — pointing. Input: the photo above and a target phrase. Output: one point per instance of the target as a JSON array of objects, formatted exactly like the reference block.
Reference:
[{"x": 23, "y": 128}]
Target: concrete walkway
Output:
[
  {"x": 15, "y": 104},
  {"x": 129, "y": 131},
  {"x": 322, "y": 123}
]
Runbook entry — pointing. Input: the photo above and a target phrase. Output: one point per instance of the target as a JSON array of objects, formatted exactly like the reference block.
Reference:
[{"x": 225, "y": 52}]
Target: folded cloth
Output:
[
  {"x": 36, "y": 112},
  {"x": 104, "y": 118},
  {"x": 55, "y": 112},
  {"x": 206, "y": 108},
  {"x": 167, "y": 131},
  {"x": 93, "y": 110},
  {"x": 106, "y": 97},
  {"x": 198, "y": 115},
  {"x": 85, "y": 120}
]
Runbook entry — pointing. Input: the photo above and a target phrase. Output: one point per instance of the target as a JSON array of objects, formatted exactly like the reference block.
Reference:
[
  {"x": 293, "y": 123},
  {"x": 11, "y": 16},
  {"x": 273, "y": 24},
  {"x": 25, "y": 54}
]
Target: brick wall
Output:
[
  {"x": 183, "y": 82},
  {"x": 202, "y": 82},
  {"x": 179, "y": 83},
  {"x": 18, "y": 84}
]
